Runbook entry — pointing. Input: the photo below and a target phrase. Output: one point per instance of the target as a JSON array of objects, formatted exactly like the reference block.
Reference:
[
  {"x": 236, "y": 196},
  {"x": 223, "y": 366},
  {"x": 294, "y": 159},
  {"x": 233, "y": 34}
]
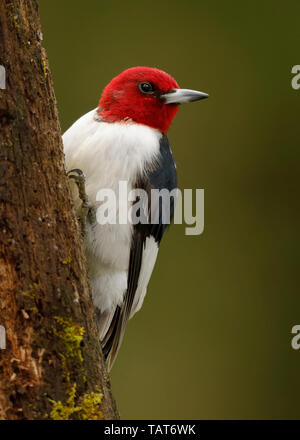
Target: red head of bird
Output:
[{"x": 144, "y": 95}]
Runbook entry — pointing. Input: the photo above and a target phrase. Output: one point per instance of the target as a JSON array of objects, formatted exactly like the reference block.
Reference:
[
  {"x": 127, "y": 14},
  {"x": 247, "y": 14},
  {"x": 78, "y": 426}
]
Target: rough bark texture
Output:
[{"x": 52, "y": 366}]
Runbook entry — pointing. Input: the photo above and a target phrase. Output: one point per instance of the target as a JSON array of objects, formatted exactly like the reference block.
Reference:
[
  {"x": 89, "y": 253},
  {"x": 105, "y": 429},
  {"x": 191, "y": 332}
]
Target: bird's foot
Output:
[{"x": 87, "y": 211}]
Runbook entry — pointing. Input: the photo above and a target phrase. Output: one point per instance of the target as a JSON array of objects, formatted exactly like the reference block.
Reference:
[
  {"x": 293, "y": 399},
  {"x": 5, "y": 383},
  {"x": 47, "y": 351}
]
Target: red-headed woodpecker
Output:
[{"x": 124, "y": 139}]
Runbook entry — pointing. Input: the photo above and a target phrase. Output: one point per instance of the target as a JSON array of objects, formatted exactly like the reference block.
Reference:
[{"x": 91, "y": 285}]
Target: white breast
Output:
[{"x": 108, "y": 153}]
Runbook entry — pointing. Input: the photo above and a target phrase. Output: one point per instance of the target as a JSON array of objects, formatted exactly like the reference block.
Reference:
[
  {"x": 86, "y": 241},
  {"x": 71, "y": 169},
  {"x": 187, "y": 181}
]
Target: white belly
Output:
[{"x": 108, "y": 153}]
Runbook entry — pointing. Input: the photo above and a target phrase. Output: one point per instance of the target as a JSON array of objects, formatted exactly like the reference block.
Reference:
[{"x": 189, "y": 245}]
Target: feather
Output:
[{"x": 140, "y": 269}]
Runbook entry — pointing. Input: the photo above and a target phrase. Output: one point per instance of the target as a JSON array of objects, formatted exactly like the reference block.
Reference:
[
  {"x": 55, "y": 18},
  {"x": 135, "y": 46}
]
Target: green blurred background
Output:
[{"x": 213, "y": 339}]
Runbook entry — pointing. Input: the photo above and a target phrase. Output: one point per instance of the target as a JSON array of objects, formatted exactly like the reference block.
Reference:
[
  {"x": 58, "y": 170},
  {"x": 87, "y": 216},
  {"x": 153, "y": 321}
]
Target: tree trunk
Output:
[{"x": 52, "y": 366}]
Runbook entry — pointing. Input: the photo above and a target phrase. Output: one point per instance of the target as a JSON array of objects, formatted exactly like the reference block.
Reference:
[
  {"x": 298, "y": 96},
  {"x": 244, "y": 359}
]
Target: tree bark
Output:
[{"x": 52, "y": 366}]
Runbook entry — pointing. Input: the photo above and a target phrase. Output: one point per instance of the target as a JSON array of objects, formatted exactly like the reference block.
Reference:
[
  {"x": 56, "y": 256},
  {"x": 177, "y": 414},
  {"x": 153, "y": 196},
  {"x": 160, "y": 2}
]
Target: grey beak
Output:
[{"x": 179, "y": 96}]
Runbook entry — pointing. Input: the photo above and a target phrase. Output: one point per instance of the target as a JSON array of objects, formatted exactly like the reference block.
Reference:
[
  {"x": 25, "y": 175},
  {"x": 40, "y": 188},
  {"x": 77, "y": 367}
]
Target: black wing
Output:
[{"x": 161, "y": 176}]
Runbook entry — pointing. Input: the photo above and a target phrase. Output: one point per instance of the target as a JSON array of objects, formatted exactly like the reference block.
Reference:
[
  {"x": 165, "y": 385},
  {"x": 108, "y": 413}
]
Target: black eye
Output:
[{"x": 146, "y": 87}]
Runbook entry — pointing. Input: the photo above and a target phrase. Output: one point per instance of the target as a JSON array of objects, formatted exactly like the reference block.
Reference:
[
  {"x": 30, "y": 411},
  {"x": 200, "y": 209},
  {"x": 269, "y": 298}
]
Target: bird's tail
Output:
[{"x": 112, "y": 329}]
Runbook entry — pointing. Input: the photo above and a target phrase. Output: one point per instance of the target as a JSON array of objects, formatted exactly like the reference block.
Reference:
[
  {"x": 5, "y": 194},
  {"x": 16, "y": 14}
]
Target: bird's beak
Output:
[{"x": 179, "y": 96}]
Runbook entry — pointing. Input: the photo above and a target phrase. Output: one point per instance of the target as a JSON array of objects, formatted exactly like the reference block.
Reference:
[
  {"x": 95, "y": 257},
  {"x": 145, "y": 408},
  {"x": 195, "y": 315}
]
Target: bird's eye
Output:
[{"x": 146, "y": 87}]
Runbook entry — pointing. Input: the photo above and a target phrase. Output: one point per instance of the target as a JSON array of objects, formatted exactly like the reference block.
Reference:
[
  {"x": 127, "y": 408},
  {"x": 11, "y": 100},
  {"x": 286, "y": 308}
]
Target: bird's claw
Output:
[
  {"x": 75, "y": 170},
  {"x": 87, "y": 211}
]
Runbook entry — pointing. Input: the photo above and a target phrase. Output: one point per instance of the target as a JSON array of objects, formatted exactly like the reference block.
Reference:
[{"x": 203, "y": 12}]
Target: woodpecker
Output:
[{"x": 123, "y": 139}]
